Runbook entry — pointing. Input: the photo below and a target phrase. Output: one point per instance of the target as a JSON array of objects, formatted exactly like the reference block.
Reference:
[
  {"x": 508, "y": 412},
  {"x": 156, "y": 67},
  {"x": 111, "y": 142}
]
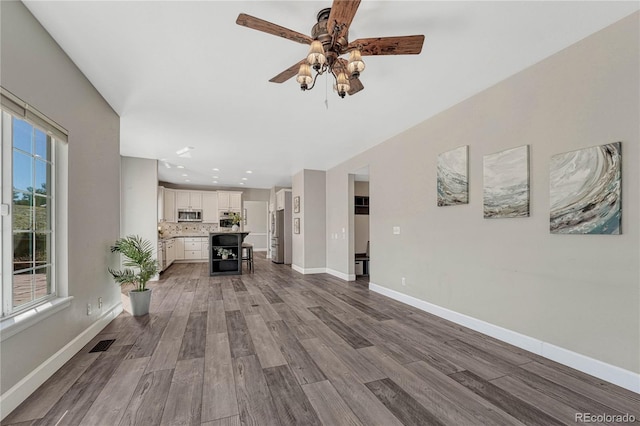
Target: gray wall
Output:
[
  {"x": 139, "y": 177},
  {"x": 34, "y": 68},
  {"x": 309, "y": 248},
  {"x": 579, "y": 292},
  {"x": 314, "y": 221},
  {"x": 297, "y": 190}
]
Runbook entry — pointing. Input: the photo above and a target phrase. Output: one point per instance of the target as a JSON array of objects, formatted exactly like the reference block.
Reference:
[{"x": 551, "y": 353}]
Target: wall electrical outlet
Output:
[
  {"x": 396, "y": 230},
  {"x": 89, "y": 309},
  {"x": 404, "y": 281}
]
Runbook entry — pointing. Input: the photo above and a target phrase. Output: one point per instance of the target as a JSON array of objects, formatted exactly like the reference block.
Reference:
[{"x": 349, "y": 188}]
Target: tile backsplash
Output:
[{"x": 171, "y": 229}]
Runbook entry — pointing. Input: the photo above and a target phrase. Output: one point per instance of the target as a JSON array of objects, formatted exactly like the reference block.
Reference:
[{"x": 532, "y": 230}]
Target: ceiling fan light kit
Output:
[
  {"x": 356, "y": 64},
  {"x": 328, "y": 41}
]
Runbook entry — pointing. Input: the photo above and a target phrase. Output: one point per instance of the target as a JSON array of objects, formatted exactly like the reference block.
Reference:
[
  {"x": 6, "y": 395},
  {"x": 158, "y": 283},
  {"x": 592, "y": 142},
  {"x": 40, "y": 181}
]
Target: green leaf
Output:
[{"x": 140, "y": 265}]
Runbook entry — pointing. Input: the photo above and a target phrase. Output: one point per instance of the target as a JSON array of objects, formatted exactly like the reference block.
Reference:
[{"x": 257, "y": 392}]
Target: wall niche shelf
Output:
[{"x": 361, "y": 204}]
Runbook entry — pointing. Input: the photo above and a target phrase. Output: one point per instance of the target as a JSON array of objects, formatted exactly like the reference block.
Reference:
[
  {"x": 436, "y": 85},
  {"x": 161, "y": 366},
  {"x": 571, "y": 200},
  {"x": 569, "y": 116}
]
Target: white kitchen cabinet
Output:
[
  {"x": 169, "y": 196},
  {"x": 179, "y": 248},
  {"x": 190, "y": 248},
  {"x": 192, "y": 254},
  {"x": 188, "y": 199},
  {"x": 195, "y": 198},
  {"x": 193, "y": 248},
  {"x": 223, "y": 200},
  {"x": 182, "y": 199},
  {"x": 170, "y": 251},
  {"x": 235, "y": 201},
  {"x": 230, "y": 201},
  {"x": 192, "y": 245},
  {"x": 210, "y": 207}
]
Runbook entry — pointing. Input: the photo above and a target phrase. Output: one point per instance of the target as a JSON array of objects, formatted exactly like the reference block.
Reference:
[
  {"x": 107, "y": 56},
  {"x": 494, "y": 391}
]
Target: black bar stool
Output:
[{"x": 247, "y": 255}]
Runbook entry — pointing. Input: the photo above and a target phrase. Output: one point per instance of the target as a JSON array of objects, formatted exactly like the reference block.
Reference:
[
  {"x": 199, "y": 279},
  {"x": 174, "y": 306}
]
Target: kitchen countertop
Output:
[
  {"x": 203, "y": 235},
  {"x": 186, "y": 236}
]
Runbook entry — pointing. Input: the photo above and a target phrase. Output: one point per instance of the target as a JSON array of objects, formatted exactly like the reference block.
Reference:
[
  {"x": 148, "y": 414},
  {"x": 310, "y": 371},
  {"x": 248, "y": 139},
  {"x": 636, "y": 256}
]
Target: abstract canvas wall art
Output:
[
  {"x": 584, "y": 191},
  {"x": 506, "y": 183},
  {"x": 453, "y": 177}
]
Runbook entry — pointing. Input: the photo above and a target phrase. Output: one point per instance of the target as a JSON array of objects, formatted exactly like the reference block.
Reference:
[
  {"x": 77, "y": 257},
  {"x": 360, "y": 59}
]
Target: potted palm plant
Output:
[{"x": 140, "y": 267}]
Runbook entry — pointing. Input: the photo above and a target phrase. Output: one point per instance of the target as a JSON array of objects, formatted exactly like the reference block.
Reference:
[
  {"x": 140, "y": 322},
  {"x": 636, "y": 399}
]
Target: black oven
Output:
[
  {"x": 225, "y": 220},
  {"x": 226, "y": 223}
]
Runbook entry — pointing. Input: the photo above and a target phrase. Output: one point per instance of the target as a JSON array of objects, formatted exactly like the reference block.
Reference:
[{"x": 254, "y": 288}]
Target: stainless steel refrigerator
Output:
[{"x": 277, "y": 236}]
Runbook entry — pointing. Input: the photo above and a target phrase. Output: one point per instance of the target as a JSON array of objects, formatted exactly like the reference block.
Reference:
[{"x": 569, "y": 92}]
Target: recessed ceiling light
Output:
[
  {"x": 244, "y": 178},
  {"x": 187, "y": 180},
  {"x": 215, "y": 181},
  {"x": 167, "y": 165},
  {"x": 184, "y": 150},
  {"x": 163, "y": 159},
  {"x": 241, "y": 183},
  {"x": 184, "y": 175},
  {"x": 249, "y": 171},
  {"x": 180, "y": 167},
  {"x": 215, "y": 169},
  {"x": 215, "y": 177}
]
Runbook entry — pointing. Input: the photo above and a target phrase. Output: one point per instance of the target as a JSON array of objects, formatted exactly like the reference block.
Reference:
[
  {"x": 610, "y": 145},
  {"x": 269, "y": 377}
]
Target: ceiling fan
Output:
[{"x": 329, "y": 40}]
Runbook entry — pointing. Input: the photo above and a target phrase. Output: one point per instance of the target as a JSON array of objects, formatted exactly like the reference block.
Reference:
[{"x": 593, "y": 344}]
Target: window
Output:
[{"x": 28, "y": 170}]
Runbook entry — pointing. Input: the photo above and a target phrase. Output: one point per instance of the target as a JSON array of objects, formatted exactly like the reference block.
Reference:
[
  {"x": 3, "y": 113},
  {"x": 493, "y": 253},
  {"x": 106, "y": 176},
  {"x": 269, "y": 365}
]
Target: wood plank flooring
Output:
[{"x": 279, "y": 348}]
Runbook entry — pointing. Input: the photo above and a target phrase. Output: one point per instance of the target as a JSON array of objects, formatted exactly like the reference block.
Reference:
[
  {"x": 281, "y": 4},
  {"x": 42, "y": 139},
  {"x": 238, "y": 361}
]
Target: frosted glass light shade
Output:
[
  {"x": 356, "y": 64},
  {"x": 342, "y": 84},
  {"x": 304, "y": 75},
  {"x": 316, "y": 56}
]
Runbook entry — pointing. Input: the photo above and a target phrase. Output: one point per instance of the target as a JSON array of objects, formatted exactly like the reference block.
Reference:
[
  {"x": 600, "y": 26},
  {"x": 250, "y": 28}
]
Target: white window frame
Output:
[{"x": 12, "y": 320}]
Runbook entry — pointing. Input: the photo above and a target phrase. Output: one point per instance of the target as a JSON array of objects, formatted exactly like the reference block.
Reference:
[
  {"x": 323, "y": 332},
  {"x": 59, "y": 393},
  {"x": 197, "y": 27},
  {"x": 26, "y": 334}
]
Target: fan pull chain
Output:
[{"x": 326, "y": 90}]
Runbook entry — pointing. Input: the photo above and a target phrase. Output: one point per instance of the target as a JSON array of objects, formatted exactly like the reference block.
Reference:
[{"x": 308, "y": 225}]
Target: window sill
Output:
[{"x": 14, "y": 325}]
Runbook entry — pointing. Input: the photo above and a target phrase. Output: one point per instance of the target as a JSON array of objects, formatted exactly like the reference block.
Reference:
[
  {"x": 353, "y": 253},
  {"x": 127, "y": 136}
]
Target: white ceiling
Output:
[{"x": 182, "y": 73}]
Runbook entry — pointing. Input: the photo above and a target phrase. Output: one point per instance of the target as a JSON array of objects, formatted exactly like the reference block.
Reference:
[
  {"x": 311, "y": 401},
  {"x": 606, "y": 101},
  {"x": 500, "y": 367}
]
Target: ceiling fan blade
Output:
[
  {"x": 271, "y": 28},
  {"x": 288, "y": 73},
  {"x": 402, "y": 45},
  {"x": 355, "y": 86},
  {"x": 342, "y": 13}
]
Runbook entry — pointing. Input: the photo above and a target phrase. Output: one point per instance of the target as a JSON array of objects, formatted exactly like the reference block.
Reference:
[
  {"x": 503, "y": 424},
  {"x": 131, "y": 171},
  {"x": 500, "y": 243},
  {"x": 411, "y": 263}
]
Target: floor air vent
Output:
[{"x": 102, "y": 345}]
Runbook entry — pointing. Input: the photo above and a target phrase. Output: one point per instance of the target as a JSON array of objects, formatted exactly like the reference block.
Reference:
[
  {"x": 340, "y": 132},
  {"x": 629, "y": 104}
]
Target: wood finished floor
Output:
[{"x": 279, "y": 348}]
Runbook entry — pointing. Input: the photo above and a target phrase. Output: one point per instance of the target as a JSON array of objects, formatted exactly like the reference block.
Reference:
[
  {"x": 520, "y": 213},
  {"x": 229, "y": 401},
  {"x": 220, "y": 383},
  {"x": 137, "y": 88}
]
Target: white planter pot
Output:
[{"x": 140, "y": 301}]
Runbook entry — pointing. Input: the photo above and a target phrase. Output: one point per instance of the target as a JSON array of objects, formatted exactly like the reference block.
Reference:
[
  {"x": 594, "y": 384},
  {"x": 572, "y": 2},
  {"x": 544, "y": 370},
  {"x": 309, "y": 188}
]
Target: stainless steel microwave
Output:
[{"x": 189, "y": 215}]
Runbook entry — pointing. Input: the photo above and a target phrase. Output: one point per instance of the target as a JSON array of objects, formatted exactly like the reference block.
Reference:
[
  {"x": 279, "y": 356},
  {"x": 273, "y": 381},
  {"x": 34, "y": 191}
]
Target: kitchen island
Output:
[{"x": 225, "y": 253}]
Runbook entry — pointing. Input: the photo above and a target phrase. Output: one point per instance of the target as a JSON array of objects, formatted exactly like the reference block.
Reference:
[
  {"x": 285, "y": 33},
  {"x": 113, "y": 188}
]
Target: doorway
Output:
[{"x": 361, "y": 235}]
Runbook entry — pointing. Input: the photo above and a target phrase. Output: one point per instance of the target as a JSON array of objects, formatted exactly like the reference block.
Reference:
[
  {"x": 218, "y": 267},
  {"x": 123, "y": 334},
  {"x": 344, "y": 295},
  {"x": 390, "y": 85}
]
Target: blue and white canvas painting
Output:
[
  {"x": 453, "y": 180},
  {"x": 506, "y": 183},
  {"x": 585, "y": 191}
]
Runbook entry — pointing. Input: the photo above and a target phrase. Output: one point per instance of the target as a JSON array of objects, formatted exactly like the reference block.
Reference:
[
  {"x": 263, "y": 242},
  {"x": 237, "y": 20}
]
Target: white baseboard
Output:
[
  {"x": 616, "y": 375},
  {"x": 307, "y": 271},
  {"x": 341, "y": 275},
  {"x": 12, "y": 398}
]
